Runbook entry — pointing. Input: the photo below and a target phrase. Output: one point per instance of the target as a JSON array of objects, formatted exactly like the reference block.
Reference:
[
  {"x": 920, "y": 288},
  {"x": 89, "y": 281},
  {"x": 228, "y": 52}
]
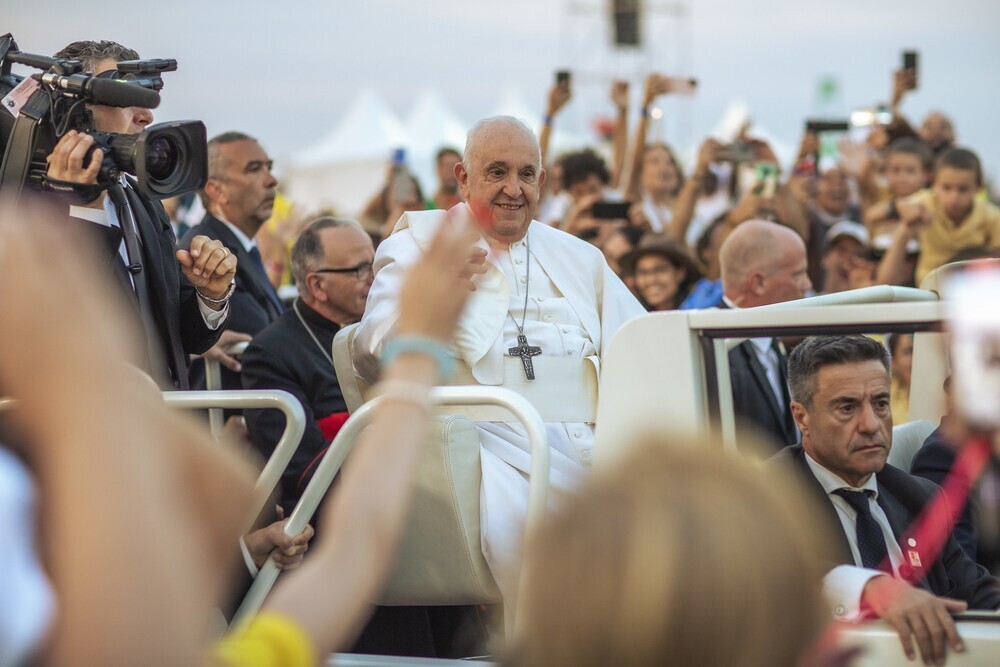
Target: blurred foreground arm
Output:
[
  {"x": 102, "y": 440},
  {"x": 365, "y": 521}
]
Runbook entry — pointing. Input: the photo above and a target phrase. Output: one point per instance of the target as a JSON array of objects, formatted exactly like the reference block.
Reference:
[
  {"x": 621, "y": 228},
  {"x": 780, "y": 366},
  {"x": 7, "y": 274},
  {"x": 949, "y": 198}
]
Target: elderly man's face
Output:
[
  {"x": 344, "y": 294},
  {"x": 502, "y": 182},
  {"x": 848, "y": 428},
  {"x": 246, "y": 192}
]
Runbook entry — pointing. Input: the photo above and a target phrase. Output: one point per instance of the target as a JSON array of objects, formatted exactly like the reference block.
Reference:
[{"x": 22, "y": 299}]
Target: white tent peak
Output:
[
  {"x": 512, "y": 103},
  {"x": 368, "y": 130},
  {"x": 432, "y": 124}
]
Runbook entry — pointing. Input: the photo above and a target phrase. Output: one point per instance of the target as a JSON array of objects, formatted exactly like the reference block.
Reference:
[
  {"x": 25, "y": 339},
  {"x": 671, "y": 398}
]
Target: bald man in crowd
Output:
[{"x": 762, "y": 263}]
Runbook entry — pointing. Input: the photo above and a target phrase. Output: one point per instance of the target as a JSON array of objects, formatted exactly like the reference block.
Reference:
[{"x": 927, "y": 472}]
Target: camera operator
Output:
[{"x": 182, "y": 315}]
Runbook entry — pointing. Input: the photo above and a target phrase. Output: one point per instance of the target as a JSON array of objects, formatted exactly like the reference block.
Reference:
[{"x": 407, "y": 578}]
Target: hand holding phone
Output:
[
  {"x": 910, "y": 65},
  {"x": 560, "y": 93}
]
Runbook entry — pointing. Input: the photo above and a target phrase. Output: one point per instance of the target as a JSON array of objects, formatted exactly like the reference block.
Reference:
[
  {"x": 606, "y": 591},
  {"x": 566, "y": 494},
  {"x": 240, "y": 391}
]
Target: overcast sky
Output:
[{"x": 285, "y": 71}]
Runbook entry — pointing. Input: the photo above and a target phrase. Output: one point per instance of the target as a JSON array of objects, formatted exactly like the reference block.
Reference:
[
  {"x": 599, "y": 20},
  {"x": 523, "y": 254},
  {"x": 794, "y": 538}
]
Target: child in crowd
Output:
[
  {"x": 946, "y": 219},
  {"x": 908, "y": 169}
]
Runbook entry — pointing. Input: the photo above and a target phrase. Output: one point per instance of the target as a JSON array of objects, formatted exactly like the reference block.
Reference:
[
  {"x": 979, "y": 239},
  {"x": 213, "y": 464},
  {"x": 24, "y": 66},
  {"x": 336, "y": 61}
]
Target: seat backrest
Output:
[
  {"x": 906, "y": 441},
  {"x": 440, "y": 561},
  {"x": 351, "y": 386}
]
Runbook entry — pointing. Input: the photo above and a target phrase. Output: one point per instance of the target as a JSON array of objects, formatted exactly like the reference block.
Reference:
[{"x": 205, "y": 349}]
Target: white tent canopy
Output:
[
  {"x": 345, "y": 168},
  {"x": 348, "y": 166},
  {"x": 431, "y": 126},
  {"x": 368, "y": 130}
]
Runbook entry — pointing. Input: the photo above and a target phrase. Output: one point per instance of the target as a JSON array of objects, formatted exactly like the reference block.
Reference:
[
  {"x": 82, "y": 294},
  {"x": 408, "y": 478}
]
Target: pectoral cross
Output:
[{"x": 526, "y": 352}]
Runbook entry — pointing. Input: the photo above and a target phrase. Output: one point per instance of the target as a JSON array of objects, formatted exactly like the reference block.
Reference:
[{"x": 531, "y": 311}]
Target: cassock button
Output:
[
  {"x": 912, "y": 542},
  {"x": 577, "y": 434},
  {"x": 524, "y": 279},
  {"x": 566, "y": 330},
  {"x": 569, "y": 353},
  {"x": 519, "y": 261},
  {"x": 839, "y": 610}
]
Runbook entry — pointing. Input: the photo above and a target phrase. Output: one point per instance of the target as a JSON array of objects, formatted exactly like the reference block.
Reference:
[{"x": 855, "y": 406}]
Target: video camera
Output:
[{"x": 167, "y": 159}]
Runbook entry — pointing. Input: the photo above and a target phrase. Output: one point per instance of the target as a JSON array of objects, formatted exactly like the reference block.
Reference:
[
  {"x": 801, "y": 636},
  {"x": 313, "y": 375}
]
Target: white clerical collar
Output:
[
  {"x": 245, "y": 241},
  {"x": 831, "y": 481}
]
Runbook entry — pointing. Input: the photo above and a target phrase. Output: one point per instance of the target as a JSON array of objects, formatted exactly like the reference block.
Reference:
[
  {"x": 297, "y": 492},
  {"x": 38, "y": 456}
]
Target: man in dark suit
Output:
[
  {"x": 239, "y": 198},
  {"x": 181, "y": 314},
  {"x": 332, "y": 265},
  {"x": 762, "y": 263},
  {"x": 840, "y": 401}
]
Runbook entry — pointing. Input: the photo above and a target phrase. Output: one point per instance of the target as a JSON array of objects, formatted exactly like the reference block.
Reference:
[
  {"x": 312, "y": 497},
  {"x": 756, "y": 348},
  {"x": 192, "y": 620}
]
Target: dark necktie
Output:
[
  {"x": 271, "y": 293},
  {"x": 871, "y": 540}
]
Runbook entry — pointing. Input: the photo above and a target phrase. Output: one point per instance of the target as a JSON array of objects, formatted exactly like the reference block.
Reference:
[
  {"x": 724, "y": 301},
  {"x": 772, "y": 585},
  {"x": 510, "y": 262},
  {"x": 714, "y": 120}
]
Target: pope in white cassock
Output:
[{"x": 546, "y": 293}]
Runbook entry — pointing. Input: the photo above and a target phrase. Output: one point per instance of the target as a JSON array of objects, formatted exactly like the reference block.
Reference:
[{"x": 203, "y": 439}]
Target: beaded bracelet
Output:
[{"x": 420, "y": 345}]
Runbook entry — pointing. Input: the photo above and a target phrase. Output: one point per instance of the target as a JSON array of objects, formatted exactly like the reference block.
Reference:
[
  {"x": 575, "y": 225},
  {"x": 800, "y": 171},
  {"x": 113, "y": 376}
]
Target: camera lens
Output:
[{"x": 162, "y": 156}]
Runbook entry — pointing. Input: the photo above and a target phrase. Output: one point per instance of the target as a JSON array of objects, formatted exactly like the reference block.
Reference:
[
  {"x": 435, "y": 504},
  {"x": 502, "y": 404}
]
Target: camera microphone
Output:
[{"x": 109, "y": 92}]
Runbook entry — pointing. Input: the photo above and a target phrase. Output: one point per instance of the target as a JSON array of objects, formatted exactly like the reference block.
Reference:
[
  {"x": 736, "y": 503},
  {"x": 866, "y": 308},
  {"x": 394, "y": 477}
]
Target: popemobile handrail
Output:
[
  {"x": 345, "y": 440},
  {"x": 276, "y": 399},
  {"x": 213, "y": 382}
]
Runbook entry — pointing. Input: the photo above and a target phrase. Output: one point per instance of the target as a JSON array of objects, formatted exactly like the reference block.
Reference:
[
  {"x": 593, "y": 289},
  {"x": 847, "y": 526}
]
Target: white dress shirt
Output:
[{"x": 844, "y": 584}]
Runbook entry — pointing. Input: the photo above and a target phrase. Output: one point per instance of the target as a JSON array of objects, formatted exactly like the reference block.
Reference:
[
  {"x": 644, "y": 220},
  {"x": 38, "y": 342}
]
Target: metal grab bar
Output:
[
  {"x": 344, "y": 442},
  {"x": 213, "y": 382},
  {"x": 295, "y": 426}
]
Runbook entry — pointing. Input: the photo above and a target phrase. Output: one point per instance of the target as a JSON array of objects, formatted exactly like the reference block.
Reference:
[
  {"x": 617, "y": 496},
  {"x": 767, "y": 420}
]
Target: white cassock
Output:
[{"x": 575, "y": 304}]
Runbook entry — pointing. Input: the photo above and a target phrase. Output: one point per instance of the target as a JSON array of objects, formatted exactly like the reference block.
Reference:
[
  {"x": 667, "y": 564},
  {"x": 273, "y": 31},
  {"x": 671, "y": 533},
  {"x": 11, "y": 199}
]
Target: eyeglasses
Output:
[{"x": 362, "y": 271}]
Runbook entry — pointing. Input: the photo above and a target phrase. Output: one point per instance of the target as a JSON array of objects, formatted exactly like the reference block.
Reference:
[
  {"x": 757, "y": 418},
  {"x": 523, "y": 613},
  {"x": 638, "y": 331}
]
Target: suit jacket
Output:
[
  {"x": 902, "y": 497},
  {"x": 251, "y": 306},
  {"x": 753, "y": 397},
  {"x": 178, "y": 329},
  {"x": 284, "y": 356},
  {"x": 934, "y": 461}
]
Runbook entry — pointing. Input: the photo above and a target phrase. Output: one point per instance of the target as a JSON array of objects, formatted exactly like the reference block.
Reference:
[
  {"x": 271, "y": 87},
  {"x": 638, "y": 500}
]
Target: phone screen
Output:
[{"x": 610, "y": 210}]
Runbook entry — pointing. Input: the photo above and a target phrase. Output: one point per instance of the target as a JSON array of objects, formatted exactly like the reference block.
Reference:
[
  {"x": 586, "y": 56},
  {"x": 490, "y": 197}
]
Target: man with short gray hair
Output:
[
  {"x": 239, "y": 198},
  {"x": 911, "y": 579},
  {"x": 545, "y": 306},
  {"x": 332, "y": 264}
]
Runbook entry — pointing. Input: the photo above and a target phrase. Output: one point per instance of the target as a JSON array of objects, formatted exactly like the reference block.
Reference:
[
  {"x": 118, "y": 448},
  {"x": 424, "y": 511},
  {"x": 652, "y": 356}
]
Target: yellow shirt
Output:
[
  {"x": 941, "y": 239},
  {"x": 271, "y": 640}
]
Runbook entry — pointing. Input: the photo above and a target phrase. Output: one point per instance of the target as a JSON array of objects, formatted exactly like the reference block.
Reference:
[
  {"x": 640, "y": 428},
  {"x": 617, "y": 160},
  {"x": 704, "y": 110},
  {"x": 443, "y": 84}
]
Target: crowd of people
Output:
[{"x": 516, "y": 272}]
